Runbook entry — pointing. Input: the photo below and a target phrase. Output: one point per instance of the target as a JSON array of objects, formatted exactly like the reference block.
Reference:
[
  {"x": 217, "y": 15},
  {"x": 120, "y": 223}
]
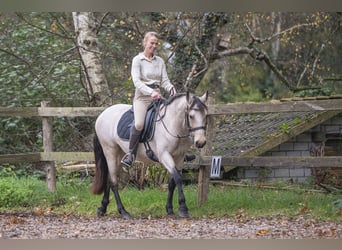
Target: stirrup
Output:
[{"x": 127, "y": 161}]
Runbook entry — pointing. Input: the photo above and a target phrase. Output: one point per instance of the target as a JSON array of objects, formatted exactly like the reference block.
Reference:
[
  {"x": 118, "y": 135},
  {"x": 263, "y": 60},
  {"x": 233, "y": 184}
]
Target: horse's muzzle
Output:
[{"x": 200, "y": 144}]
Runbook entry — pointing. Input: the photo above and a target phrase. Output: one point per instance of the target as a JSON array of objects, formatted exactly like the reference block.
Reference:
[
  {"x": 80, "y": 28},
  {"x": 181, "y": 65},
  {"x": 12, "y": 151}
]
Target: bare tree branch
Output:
[
  {"x": 314, "y": 65},
  {"x": 184, "y": 35},
  {"x": 136, "y": 25},
  {"x": 262, "y": 56},
  {"x": 206, "y": 65},
  {"x": 38, "y": 76},
  {"x": 101, "y": 22},
  {"x": 27, "y": 63},
  {"x": 20, "y": 15},
  {"x": 275, "y": 35},
  {"x": 190, "y": 76},
  {"x": 257, "y": 55},
  {"x": 60, "y": 25},
  {"x": 233, "y": 52},
  {"x": 302, "y": 75},
  {"x": 192, "y": 73}
]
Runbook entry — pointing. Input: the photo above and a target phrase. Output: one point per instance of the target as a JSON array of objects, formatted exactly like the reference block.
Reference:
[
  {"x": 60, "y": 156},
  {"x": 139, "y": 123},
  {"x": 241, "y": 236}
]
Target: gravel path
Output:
[{"x": 33, "y": 226}]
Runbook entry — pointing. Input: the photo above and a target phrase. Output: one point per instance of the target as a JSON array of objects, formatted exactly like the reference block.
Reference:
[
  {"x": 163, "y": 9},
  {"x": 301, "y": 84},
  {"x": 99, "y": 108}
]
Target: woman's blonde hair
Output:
[{"x": 148, "y": 35}]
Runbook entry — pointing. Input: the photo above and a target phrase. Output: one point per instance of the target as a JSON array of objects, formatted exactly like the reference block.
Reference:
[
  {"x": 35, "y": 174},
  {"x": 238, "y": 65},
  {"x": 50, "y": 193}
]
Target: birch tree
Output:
[{"x": 90, "y": 55}]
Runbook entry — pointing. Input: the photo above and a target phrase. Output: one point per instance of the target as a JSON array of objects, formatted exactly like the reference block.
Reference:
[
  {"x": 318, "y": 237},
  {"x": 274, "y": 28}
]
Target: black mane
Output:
[
  {"x": 196, "y": 101},
  {"x": 172, "y": 98}
]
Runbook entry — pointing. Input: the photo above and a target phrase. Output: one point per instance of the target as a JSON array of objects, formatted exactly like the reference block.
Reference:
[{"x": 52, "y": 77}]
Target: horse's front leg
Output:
[
  {"x": 183, "y": 209},
  {"x": 120, "y": 207},
  {"x": 171, "y": 189},
  {"x": 175, "y": 181}
]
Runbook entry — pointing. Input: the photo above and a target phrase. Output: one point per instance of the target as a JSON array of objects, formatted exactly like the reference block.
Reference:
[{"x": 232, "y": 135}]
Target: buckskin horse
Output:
[{"x": 180, "y": 122}]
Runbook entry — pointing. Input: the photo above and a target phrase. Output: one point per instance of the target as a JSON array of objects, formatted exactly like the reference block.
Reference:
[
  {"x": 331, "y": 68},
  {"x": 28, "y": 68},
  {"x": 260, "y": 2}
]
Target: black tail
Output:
[{"x": 101, "y": 173}]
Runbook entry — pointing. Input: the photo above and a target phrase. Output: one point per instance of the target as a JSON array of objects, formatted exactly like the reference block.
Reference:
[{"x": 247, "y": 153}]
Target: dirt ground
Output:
[{"x": 52, "y": 226}]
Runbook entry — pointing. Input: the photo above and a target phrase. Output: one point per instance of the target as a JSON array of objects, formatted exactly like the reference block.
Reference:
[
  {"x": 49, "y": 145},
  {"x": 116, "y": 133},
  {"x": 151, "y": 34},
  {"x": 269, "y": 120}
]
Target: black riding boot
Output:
[{"x": 129, "y": 158}]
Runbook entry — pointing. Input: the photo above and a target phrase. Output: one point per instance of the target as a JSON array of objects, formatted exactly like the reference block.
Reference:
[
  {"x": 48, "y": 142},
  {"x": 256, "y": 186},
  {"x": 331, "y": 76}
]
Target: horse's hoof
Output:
[
  {"x": 169, "y": 211},
  {"x": 125, "y": 215},
  {"x": 100, "y": 212},
  {"x": 183, "y": 213},
  {"x": 170, "y": 214}
]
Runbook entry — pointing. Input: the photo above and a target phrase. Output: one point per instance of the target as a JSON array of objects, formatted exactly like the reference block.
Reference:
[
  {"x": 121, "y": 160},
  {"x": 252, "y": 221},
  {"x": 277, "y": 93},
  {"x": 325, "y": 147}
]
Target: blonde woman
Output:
[{"x": 148, "y": 75}]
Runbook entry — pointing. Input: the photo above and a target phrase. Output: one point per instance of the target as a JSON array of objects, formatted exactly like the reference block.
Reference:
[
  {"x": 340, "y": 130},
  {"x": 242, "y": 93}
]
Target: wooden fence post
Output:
[
  {"x": 48, "y": 147},
  {"x": 204, "y": 170}
]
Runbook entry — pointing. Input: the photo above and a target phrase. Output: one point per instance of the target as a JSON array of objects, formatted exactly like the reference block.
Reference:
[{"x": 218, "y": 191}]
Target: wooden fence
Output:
[{"x": 47, "y": 113}]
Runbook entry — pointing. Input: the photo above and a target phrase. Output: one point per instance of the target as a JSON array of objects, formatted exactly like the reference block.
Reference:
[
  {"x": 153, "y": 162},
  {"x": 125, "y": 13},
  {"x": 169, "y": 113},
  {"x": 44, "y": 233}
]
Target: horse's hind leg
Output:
[
  {"x": 113, "y": 161},
  {"x": 101, "y": 211}
]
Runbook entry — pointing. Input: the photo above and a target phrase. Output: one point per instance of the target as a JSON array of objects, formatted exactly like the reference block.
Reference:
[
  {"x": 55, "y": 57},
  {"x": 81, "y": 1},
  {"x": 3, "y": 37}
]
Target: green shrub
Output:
[{"x": 14, "y": 193}]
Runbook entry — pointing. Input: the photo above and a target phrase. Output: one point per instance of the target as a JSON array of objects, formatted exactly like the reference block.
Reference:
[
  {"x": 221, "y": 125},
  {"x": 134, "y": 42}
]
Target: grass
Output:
[{"x": 73, "y": 197}]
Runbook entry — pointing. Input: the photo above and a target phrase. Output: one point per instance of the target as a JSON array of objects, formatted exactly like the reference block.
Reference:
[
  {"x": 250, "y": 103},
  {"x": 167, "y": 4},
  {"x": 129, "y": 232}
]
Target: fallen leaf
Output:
[
  {"x": 240, "y": 213},
  {"x": 14, "y": 220},
  {"x": 304, "y": 208},
  {"x": 38, "y": 211},
  {"x": 333, "y": 231},
  {"x": 185, "y": 222},
  {"x": 262, "y": 232},
  {"x": 49, "y": 210},
  {"x": 321, "y": 233}
]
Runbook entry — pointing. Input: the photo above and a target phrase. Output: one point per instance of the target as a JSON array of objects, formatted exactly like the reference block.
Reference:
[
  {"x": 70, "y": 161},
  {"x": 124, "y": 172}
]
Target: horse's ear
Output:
[{"x": 204, "y": 97}]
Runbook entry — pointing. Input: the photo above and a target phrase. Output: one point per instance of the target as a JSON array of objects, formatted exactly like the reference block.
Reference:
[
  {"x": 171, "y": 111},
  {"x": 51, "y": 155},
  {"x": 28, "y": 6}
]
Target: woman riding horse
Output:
[
  {"x": 181, "y": 122},
  {"x": 148, "y": 75}
]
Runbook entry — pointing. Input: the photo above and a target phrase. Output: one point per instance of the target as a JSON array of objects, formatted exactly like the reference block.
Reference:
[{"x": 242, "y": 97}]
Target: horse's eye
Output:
[{"x": 191, "y": 117}]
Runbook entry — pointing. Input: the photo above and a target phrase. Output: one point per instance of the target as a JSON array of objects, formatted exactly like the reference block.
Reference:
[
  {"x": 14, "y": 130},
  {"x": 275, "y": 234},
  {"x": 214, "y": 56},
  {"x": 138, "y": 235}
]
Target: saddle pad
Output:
[
  {"x": 125, "y": 124},
  {"x": 127, "y": 121}
]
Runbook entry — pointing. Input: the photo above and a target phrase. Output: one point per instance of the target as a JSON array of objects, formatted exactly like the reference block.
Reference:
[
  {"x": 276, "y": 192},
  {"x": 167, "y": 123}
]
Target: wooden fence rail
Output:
[
  {"x": 276, "y": 106},
  {"x": 278, "y": 161},
  {"x": 47, "y": 156},
  {"x": 51, "y": 111},
  {"x": 214, "y": 109},
  {"x": 45, "y": 112},
  {"x": 241, "y": 161}
]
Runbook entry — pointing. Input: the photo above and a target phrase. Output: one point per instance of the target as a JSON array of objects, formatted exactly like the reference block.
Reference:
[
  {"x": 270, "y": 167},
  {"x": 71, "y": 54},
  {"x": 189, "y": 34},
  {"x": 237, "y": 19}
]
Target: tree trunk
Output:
[
  {"x": 88, "y": 46},
  {"x": 275, "y": 45}
]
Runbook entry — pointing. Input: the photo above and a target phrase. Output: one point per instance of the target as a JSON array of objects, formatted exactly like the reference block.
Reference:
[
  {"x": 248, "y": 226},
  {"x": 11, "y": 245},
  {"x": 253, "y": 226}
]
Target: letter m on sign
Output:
[{"x": 215, "y": 166}]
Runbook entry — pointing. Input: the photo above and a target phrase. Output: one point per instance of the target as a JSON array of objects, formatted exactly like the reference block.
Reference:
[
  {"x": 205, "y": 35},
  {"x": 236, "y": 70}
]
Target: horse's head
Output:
[{"x": 196, "y": 118}]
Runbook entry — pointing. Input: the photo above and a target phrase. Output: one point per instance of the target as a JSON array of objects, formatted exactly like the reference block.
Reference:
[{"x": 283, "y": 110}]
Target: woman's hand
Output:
[{"x": 156, "y": 95}]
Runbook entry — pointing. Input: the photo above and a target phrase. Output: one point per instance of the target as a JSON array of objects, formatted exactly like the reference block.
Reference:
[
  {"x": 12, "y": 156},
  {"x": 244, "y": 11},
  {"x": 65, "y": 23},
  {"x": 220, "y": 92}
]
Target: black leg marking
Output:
[
  {"x": 101, "y": 211},
  {"x": 171, "y": 188},
  {"x": 121, "y": 209},
  {"x": 183, "y": 209}
]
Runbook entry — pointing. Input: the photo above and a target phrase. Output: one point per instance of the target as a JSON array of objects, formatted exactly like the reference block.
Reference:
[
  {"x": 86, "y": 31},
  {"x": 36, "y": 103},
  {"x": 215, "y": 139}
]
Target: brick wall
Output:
[{"x": 297, "y": 146}]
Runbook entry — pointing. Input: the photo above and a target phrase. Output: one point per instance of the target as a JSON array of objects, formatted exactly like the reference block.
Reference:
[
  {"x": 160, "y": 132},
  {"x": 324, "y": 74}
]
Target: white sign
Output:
[{"x": 215, "y": 166}]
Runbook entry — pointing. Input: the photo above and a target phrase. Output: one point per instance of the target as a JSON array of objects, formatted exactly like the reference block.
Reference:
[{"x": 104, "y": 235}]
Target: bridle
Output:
[{"x": 187, "y": 123}]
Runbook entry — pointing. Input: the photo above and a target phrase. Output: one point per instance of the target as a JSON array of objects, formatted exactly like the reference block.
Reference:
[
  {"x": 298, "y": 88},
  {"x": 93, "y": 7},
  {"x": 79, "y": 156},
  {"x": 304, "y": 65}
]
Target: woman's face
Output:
[{"x": 151, "y": 44}]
